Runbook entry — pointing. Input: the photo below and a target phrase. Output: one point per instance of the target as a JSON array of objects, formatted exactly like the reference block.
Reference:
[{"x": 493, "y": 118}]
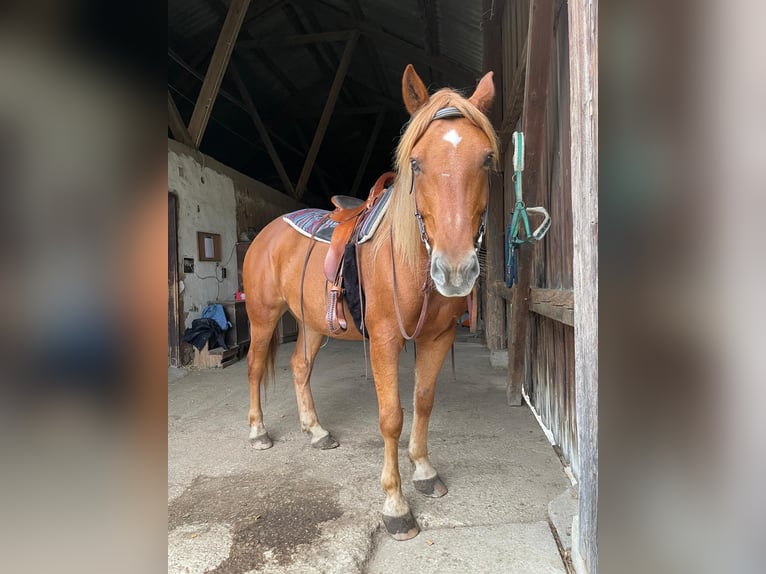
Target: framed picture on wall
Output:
[{"x": 209, "y": 246}]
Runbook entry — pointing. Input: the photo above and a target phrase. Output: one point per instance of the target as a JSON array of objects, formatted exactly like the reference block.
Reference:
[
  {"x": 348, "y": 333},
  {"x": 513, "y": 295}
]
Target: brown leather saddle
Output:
[{"x": 350, "y": 213}]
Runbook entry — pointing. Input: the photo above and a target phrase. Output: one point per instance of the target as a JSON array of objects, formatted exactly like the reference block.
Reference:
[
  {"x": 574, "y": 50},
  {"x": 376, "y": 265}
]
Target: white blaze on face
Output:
[{"x": 452, "y": 137}]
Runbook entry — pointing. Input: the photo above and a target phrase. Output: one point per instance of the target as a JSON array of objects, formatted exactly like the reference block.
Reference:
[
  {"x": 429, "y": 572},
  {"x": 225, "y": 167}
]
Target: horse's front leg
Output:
[
  {"x": 397, "y": 517},
  {"x": 430, "y": 356}
]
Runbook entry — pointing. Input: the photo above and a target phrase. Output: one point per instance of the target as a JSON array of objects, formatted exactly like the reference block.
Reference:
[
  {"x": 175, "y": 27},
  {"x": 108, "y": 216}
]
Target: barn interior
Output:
[{"x": 276, "y": 105}]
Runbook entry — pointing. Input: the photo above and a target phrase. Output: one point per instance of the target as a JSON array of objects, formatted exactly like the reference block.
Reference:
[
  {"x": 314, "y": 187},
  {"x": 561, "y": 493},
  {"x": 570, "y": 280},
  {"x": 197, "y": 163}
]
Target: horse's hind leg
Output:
[
  {"x": 263, "y": 345},
  {"x": 302, "y": 366},
  {"x": 428, "y": 362}
]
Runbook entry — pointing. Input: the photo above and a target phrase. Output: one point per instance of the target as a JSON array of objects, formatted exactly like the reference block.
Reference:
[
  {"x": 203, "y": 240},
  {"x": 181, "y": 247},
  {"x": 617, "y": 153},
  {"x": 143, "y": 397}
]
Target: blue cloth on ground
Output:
[{"x": 218, "y": 315}]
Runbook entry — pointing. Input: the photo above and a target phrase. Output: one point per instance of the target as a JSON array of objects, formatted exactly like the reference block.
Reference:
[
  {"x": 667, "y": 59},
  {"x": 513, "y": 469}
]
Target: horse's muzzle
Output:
[{"x": 454, "y": 280}]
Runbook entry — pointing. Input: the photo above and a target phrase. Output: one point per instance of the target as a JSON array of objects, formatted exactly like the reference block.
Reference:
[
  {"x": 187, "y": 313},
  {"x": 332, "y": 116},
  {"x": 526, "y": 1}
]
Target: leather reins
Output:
[{"x": 450, "y": 112}]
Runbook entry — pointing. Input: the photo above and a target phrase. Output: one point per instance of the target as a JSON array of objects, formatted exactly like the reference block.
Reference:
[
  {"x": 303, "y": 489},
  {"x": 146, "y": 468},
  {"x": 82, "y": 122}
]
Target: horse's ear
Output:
[
  {"x": 484, "y": 94},
  {"x": 414, "y": 92}
]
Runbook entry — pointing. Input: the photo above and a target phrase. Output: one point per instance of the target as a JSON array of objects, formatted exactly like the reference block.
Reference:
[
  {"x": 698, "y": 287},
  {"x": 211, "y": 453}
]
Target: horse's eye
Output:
[
  {"x": 489, "y": 160},
  {"x": 414, "y": 165}
]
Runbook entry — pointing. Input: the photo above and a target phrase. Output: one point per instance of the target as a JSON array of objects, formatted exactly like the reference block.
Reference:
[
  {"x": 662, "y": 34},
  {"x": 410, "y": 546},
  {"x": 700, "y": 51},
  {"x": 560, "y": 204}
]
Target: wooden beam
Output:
[
  {"x": 237, "y": 102},
  {"x": 329, "y": 53},
  {"x": 298, "y": 39},
  {"x": 407, "y": 50},
  {"x": 494, "y": 304},
  {"x": 264, "y": 11},
  {"x": 556, "y": 304},
  {"x": 583, "y": 92},
  {"x": 176, "y": 123},
  {"x": 261, "y": 127},
  {"x": 216, "y": 70},
  {"x": 401, "y": 47},
  {"x": 299, "y": 27},
  {"x": 275, "y": 71},
  {"x": 220, "y": 7},
  {"x": 380, "y": 76},
  {"x": 324, "y": 120},
  {"x": 540, "y": 39},
  {"x": 368, "y": 152},
  {"x": 516, "y": 105}
]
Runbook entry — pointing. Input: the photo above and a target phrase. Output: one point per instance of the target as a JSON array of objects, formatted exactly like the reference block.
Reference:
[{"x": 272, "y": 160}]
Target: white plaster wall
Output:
[{"x": 206, "y": 202}]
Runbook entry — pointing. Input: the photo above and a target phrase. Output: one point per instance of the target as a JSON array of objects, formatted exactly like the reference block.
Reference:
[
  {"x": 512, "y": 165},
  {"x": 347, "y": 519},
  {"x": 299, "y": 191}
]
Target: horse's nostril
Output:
[
  {"x": 473, "y": 268},
  {"x": 437, "y": 270}
]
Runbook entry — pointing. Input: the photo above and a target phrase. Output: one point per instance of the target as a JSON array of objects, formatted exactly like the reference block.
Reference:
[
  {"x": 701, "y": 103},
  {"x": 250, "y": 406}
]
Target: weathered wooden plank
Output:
[
  {"x": 540, "y": 44},
  {"x": 515, "y": 102},
  {"x": 583, "y": 67},
  {"x": 261, "y": 127},
  {"x": 176, "y": 123},
  {"x": 216, "y": 70},
  {"x": 337, "y": 83},
  {"x": 368, "y": 152},
  {"x": 494, "y": 309},
  {"x": 174, "y": 295},
  {"x": 556, "y": 304}
]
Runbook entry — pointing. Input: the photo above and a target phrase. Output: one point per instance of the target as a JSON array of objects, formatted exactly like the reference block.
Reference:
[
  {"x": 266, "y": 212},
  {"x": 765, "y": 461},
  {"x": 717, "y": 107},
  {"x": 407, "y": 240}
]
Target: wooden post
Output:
[
  {"x": 216, "y": 69},
  {"x": 368, "y": 152},
  {"x": 540, "y": 46},
  {"x": 300, "y": 188},
  {"x": 261, "y": 127},
  {"x": 583, "y": 67},
  {"x": 494, "y": 309},
  {"x": 176, "y": 123}
]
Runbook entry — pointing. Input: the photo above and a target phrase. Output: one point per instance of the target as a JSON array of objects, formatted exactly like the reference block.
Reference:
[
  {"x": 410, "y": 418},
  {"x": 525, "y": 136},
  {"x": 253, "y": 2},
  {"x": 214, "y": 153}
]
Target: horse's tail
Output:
[{"x": 271, "y": 358}]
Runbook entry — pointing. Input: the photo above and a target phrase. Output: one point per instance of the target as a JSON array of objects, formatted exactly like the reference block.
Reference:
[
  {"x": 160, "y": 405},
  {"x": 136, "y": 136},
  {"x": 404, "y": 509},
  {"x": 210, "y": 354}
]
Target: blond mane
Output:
[{"x": 400, "y": 212}]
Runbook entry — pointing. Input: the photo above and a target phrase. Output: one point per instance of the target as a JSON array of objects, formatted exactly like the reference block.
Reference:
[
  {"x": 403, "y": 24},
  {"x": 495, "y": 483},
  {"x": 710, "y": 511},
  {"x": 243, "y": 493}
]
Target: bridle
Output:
[{"x": 443, "y": 113}]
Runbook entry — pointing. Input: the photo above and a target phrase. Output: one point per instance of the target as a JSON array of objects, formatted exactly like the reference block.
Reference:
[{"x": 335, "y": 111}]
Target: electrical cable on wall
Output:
[{"x": 218, "y": 280}]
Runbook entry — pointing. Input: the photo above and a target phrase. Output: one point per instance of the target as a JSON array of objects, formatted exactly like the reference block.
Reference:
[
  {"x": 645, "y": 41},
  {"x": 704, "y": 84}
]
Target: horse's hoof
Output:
[
  {"x": 325, "y": 443},
  {"x": 433, "y": 487},
  {"x": 261, "y": 442},
  {"x": 401, "y": 527}
]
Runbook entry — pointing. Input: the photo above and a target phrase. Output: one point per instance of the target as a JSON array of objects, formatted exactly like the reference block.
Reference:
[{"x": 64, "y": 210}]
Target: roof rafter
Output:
[
  {"x": 261, "y": 127},
  {"x": 216, "y": 70},
  {"x": 398, "y": 45},
  {"x": 326, "y": 114}
]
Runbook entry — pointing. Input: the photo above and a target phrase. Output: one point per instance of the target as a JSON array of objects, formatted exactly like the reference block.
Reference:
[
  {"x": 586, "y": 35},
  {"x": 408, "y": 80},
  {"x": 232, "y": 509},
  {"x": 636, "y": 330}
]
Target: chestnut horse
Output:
[{"x": 441, "y": 188}]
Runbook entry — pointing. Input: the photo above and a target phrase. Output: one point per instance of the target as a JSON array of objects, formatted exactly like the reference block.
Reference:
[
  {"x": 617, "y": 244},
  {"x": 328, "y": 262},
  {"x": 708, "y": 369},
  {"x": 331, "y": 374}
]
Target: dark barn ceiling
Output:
[{"x": 288, "y": 69}]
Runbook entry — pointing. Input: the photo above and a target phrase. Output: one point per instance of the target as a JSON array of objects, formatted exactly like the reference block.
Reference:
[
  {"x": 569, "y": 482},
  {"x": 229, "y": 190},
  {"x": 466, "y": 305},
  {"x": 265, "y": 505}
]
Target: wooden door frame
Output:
[{"x": 174, "y": 296}]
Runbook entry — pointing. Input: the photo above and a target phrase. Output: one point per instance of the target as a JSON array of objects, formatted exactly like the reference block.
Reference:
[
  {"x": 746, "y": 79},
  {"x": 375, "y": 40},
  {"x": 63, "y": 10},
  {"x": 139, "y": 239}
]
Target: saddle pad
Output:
[{"x": 312, "y": 222}]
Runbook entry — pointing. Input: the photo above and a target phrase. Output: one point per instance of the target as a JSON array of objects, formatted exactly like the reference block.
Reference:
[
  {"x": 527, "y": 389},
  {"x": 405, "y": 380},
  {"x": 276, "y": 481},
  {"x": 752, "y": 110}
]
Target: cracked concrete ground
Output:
[{"x": 293, "y": 509}]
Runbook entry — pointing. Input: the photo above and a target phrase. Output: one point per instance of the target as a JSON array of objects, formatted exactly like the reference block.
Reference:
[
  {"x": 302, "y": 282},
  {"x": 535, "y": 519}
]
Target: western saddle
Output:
[{"x": 350, "y": 213}]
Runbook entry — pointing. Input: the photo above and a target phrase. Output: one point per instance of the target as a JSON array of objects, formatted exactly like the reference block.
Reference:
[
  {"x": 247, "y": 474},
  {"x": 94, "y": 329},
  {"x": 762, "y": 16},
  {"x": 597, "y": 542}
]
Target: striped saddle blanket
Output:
[{"x": 313, "y": 222}]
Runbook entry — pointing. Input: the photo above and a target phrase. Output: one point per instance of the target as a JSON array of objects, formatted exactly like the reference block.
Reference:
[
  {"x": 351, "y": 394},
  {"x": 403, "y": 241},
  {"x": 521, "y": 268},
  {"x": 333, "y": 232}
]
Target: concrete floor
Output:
[{"x": 293, "y": 509}]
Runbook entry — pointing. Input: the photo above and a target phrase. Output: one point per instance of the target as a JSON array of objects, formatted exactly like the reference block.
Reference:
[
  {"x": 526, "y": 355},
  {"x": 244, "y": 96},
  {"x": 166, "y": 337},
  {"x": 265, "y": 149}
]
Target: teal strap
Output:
[{"x": 520, "y": 211}]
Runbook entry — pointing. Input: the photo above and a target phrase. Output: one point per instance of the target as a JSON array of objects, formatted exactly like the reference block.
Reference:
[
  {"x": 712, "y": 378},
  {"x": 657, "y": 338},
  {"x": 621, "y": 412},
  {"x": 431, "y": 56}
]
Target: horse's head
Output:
[{"x": 451, "y": 151}]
